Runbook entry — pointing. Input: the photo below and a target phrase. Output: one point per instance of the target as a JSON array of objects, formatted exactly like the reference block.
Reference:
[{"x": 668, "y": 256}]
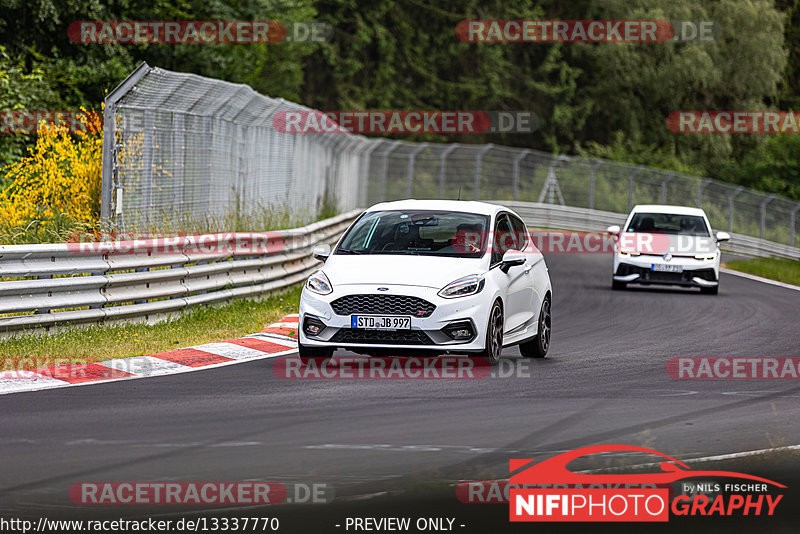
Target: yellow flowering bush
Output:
[{"x": 58, "y": 179}]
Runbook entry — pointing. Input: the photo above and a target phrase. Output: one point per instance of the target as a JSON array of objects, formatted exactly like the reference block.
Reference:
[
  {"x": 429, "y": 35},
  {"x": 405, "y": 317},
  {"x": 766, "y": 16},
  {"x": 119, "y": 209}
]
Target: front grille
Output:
[
  {"x": 384, "y": 337},
  {"x": 385, "y": 304},
  {"x": 646, "y": 275}
]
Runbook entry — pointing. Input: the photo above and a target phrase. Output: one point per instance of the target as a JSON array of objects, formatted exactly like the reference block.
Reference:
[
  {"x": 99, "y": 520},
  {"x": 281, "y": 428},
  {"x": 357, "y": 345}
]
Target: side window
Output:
[
  {"x": 520, "y": 232},
  {"x": 503, "y": 239}
]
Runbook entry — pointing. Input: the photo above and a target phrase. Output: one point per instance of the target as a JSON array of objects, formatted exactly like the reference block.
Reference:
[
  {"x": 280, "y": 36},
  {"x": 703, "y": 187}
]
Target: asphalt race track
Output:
[{"x": 603, "y": 382}]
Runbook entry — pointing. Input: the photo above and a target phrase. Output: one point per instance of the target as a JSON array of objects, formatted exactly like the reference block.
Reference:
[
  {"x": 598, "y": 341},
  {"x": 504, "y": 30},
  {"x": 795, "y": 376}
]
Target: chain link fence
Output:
[{"x": 183, "y": 150}]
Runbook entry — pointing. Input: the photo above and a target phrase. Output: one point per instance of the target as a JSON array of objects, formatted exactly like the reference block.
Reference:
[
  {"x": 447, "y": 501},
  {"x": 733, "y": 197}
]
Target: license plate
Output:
[
  {"x": 380, "y": 322},
  {"x": 665, "y": 268}
]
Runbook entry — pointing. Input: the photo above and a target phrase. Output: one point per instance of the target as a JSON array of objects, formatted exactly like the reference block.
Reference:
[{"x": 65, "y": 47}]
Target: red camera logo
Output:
[{"x": 572, "y": 496}]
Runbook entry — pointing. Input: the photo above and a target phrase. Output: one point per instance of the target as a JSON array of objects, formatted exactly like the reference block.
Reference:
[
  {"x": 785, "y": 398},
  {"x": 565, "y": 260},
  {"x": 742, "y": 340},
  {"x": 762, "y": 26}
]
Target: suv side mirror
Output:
[
  {"x": 321, "y": 252},
  {"x": 512, "y": 258},
  {"x": 723, "y": 236}
]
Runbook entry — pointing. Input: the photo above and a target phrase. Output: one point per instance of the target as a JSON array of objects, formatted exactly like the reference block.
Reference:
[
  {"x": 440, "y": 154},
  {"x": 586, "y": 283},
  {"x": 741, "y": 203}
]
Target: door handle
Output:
[{"x": 528, "y": 269}]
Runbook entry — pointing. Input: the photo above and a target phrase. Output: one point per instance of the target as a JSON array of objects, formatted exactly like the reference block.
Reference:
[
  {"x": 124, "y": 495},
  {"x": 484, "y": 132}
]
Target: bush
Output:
[{"x": 57, "y": 183}]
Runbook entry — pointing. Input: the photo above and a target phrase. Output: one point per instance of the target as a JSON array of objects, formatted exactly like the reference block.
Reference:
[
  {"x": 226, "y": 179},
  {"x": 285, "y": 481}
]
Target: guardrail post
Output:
[
  {"x": 412, "y": 157},
  {"x": 764, "y": 214},
  {"x": 631, "y": 176},
  {"x": 478, "y": 163},
  {"x": 591, "y": 182},
  {"x": 700, "y": 188},
  {"x": 515, "y": 178},
  {"x": 443, "y": 167},
  {"x": 792, "y": 216},
  {"x": 664, "y": 183},
  {"x": 730, "y": 206}
]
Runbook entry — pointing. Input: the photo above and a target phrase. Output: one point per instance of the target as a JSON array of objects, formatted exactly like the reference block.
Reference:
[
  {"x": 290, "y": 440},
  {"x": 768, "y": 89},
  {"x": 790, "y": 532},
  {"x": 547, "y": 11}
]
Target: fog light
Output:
[
  {"x": 460, "y": 331},
  {"x": 312, "y": 326}
]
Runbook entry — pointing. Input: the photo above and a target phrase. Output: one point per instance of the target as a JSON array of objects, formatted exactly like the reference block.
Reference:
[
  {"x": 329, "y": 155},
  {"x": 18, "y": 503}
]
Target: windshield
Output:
[
  {"x": 419, "y": 232},
  {"x": 668, "y": 223}
]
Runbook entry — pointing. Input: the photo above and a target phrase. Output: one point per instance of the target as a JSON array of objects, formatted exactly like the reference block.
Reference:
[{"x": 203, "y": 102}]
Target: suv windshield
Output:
[
  {"x": 420, "y": 232},
  {"x": 668, "y": 223}
]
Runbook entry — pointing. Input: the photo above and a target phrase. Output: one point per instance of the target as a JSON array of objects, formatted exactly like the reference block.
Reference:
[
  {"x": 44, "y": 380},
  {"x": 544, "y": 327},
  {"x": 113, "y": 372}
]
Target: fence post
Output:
[
  {"x": 385, "y": 170},
  {"x": 792, "y": 221},
  {"x": 764, "y": 214},
  {"x": 443, "y": 166},
  {"x": 700, "y": 188},
  {"x": 478, "y": 161},
  {"x": 110, "y": 138},
  {"x": 633, "y": 173},
  {"x": 664, "y": 182},
  {"x": 515, "y": 179},
  {"x": 411, "y": 160},
  {"x": 363, "y": 184},
  {"x": 730, "y": 206},
  {"x": 591, "y": 182}
]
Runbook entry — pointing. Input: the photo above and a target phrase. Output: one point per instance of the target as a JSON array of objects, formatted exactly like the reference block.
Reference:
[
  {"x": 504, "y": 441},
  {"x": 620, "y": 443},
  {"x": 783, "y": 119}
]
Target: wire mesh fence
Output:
[{"x": 186, "y": 151}]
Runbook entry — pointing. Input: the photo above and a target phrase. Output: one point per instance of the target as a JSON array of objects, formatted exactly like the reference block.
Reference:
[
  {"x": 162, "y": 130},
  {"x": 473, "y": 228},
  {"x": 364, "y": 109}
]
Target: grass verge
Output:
[
  {"x": 100, "y": 343},
  {"x": 786, "y": 271}
]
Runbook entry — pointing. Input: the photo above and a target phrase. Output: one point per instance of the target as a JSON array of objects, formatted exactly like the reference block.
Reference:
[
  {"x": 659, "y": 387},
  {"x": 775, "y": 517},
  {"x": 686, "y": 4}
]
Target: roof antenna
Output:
[{"x": 459, "y": 192}]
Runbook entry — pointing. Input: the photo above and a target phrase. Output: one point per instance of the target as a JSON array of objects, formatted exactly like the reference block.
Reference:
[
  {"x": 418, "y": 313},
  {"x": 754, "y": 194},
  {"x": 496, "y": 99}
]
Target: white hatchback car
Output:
[
  {"x": 671, "y": 245},
  {"x": 447, "y": 276}
]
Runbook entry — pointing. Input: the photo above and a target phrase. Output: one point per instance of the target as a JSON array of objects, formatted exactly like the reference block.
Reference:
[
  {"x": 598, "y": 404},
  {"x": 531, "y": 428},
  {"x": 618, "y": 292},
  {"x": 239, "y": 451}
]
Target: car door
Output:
[{"x": 516, "y": 281}]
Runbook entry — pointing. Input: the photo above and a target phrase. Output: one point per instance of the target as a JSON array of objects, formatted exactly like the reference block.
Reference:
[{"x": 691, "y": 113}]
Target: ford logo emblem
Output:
[{"x": 383, "y": 289}]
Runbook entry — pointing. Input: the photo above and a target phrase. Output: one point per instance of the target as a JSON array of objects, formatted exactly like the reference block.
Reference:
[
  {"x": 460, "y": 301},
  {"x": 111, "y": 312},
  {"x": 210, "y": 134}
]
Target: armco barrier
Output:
[
  {"x": 582, "y": 219},
  {"x": 146, "y": 283},
  {"x": 149, "y": 284}
]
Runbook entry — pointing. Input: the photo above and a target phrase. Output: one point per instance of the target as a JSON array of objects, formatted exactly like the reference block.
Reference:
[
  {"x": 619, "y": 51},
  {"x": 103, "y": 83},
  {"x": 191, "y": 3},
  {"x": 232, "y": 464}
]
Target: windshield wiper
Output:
[{"x": 351, "y": 251}]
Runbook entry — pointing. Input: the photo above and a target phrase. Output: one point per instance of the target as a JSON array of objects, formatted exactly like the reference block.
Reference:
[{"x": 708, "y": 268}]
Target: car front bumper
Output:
[
  {"x": 426, "y": 333},
  {"x": 639, "y": 270}
]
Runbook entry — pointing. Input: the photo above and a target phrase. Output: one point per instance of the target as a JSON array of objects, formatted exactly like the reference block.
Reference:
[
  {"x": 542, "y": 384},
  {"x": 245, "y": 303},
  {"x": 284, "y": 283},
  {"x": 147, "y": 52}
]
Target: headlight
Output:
[
  {"x": 469, "y": 285},
  {"x": 319, "y": 283},
  {"x": 709, "y": 256},
  {"x": 628, "y": 253}
]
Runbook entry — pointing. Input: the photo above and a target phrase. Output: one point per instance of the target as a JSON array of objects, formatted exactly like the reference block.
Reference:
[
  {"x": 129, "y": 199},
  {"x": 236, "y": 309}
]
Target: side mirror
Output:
[
  {"x": 321, "y": 252},
  {"x": 723, "y": 236},
  {"x": 613, "y": 229},
  {"x": 512, "y": 258}
]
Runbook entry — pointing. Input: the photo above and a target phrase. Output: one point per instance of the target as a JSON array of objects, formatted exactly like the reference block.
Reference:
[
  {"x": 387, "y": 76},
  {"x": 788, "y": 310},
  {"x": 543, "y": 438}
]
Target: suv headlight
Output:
[
  {"x": 469, "y": 285},
  {"x": 319, "y": 283}
]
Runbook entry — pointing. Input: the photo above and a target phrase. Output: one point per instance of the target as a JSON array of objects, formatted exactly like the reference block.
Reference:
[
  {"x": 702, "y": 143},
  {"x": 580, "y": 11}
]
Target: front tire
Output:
[
  {"x": 710, "y": 290},
  {"x": 494, "y": 335},
  {"x": 318, "y": 354},
  {"x": 538, "y": 346},
  {"x": 618, "y": 285}
]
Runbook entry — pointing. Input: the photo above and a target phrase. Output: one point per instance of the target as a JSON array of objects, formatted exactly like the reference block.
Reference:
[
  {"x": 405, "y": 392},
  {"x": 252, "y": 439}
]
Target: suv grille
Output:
[
  {"x": 388, "y": 304},
  {"x": 385, "y": 337}
]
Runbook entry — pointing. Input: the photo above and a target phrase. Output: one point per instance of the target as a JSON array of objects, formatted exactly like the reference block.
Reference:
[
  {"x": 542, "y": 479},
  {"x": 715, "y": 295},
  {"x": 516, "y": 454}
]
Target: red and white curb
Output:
[{"x": 277, "y": 339}]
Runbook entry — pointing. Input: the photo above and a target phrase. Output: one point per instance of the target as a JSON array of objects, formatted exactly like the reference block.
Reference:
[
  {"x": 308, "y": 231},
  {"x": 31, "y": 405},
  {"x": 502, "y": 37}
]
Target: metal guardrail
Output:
[
  {"x": 582, "y": 219},
  {"x": 147, "y": 282},
  {"x": 146, "y": 285}
]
